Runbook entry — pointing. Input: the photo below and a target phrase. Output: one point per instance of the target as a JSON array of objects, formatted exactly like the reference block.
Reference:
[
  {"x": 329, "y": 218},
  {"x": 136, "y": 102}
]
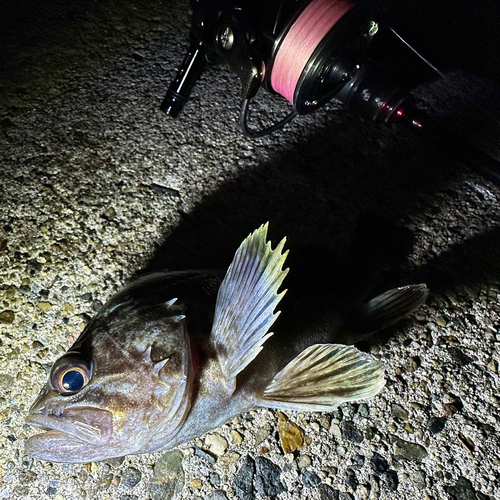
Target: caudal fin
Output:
[
  {"x": 322, "y": 377},
  {"x": 386, "y": 309}
]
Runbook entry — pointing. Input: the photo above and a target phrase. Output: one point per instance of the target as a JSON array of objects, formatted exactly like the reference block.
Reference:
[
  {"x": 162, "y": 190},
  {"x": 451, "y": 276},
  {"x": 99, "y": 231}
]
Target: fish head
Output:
[{"x": 123, "y": 388}]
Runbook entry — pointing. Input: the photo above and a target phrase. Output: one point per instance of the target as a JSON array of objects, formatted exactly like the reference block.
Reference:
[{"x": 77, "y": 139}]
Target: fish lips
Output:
[{"x": 72, "y": 432}]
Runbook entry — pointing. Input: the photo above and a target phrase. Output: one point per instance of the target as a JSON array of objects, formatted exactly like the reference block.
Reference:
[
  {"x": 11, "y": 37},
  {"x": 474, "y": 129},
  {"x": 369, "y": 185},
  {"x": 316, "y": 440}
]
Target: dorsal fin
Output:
[{"x": 246, "y": 302}]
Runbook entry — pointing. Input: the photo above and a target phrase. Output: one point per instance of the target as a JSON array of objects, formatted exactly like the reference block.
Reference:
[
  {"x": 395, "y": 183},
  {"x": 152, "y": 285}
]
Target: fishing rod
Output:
[{"x": 312, "y": 52}]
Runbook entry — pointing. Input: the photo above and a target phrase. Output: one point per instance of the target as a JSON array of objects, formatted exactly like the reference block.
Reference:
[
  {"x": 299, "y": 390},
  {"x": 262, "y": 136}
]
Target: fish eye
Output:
[{"x": 70, "y": 374}]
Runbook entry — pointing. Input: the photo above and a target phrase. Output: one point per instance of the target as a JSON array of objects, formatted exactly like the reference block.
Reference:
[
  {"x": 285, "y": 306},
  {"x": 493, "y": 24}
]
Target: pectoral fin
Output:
[
  {"x": 322, "y": 377},
  {"x": 246, "y": 302}
]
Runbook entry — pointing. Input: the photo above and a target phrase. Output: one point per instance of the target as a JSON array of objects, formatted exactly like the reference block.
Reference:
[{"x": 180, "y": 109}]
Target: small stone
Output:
[
  {"x": 379, "y": 463},
  {"x": 204, "y": 455},
  {"x": 327, "y": 492},
  {"x": 436, "y": 424},
  {"x": 262, "y": 433},
  {"x": 216, "y": 495},
  {"x": 363, "y": 492},
  {"x": 267, "y": 478},
  {"x": 459, "y": 357},
  {"x": 418, "y": 480},
  {"x": 290, "y": 434},
  {"x": 363, "y": 410},
  {"x": 236, "y": 437},
  {"x": 454, "y": 407},
  {"x": 409, "y": 451},
  {"x": 216, "y": 443},
  {"x": 196, "y": 484},
  {"x": 463, "y": 490},
  {"x": 230, "y": 457},
  {"x": 492, "y": 366},
  {"x": 351, "y": 480},
  {"x": 105, "y": 481},
  {"x": 391, "y": 478},
  {"x": 214, "y": 479},
  {"x": 243, "y": 481},
  {"x": 351, "y": 432},
  {"x": 45, "y": 306},
  {"x": 440, "y": 321},
  {"x": 91, "y": 467},
  {"x": 399, "y": 412},
  {"x": 7, "y": 317},
  {"x": 130, "y": 477},
  {"x": 168, "y": 476},
  {"x": 109, "y": 213},
  {"x": 335, "y": 431},
  {"x": 311, "y": 479},
  {"x": 304, "y": 461}
]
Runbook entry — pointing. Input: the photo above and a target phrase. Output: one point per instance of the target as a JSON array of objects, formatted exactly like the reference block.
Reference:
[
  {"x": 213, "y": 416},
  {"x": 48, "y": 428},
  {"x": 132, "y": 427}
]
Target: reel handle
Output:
[{"x": 179, "y": 90}]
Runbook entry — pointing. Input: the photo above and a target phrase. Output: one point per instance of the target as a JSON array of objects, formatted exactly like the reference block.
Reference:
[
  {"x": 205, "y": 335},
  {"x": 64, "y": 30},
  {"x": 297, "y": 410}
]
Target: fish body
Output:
[{"x": 176, "y": 354}]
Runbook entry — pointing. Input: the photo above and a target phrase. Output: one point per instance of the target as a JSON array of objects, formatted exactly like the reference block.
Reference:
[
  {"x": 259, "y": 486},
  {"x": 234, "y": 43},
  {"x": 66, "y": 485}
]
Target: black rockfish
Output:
[{"x": 176, "y": 354}]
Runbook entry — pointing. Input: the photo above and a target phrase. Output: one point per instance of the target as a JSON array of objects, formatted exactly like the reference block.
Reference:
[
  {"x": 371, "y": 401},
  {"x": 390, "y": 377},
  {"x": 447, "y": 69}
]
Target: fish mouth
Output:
[{"x": 81, "y": 424}]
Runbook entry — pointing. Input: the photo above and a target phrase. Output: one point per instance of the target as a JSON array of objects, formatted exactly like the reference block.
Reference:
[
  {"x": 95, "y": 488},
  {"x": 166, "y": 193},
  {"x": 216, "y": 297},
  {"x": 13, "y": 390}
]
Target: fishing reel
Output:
[
  {"x": 312, "y": 52},
  {"x": 309, "y": 52}
]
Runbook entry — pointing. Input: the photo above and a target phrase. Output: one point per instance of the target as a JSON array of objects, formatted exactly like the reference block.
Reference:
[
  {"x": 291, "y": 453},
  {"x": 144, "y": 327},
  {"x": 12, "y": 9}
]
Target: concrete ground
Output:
[{"x": 98, "y": 185}]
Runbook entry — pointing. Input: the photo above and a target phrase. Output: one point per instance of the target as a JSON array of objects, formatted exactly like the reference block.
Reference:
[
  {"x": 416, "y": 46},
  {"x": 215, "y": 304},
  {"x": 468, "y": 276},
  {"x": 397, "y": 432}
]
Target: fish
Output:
[{"x": 176, "y": 354}]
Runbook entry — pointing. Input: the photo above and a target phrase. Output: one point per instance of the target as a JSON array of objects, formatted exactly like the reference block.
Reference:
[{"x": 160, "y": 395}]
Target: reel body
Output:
[{"x": 310, "y": 52}]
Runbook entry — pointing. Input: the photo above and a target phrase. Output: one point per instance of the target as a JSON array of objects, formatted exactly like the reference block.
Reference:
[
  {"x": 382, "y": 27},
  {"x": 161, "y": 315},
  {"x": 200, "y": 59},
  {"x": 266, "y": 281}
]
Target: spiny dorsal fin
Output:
[
  {"x": 323, "y": 376},
  {"x": 245, "y": 306}
]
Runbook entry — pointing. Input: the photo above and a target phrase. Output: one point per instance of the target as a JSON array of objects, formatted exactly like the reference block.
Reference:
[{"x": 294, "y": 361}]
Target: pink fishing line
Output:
[{"x": 299, "y": 43}]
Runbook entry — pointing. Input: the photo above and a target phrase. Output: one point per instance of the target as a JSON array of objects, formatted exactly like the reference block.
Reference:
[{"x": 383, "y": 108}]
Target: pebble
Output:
[
  {"x": 310, "y": 479},
  {"x": 290, "y": 434},
  {"x": 243, "y": 481},
  {"x": 304, "y": 461},
  {"x": 230, "y": 457},
  {"x": 351, "y": 480},
  {"x": 463, "y": 490},
  {"x": 440, "y": 321},
  {"x": 335, "y": 431},
  {"x": 262, "y": 433},
  {"x": 327, "y": 492},
  {"x": 391, "y": 479},
  {"x": 363, "y": 492},
  {"x": 350, "y": 432},
  {"x": 196, "y": 483},
  {"x": 236, "y": 437},
  {"x": 436, "y": 424},
  {"x": 267, "y": 478},
  {"x": 216, "y": 495},
  {"x": 45, "y": 306},
  {"x": 379, "y": 463},
  {"x": 409, "y": 451},
  {"x": 7, "y": 317},
  {"x": 399, "y": 412},
  {"x": 168, "y": 476},
  {"x": 216, "y": 444},
  {"x": 130, "y": 477},
  {"x": 204, "y": 455}
]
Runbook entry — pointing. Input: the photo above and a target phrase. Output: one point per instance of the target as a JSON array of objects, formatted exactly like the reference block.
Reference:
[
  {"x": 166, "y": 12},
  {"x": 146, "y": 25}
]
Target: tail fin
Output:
[{"x": 386, "y": 309}]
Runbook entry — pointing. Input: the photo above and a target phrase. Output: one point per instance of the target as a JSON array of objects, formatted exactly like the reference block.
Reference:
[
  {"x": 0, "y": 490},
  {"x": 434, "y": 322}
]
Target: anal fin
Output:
[{"x": 322, "y": 377}]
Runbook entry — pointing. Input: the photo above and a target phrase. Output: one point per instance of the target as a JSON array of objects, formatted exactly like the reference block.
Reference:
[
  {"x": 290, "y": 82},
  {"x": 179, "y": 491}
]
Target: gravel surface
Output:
[{"x": 98, "y": 185}]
